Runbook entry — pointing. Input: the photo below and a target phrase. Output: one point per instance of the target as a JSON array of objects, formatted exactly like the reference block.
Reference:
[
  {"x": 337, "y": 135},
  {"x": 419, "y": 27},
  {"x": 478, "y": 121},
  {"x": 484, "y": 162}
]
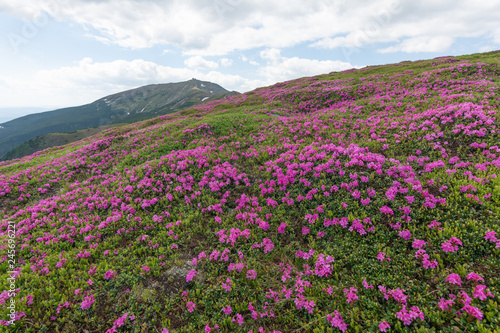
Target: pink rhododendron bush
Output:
[{"x": 361, "y": 201}]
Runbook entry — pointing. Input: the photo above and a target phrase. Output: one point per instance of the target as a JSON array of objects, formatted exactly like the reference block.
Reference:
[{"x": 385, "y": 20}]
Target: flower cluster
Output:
[{"x": 299, "y": 204}]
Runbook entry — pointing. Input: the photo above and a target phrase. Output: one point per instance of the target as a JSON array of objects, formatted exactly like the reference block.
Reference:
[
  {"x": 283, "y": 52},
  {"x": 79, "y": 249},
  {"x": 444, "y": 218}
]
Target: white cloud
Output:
[
  {"x": 87, "y": 81},
  {"x": 496, "y": 36},
  {"x": 221, "y": 30},
  {"x": 422, "y": 26},
  {"x": 226, "y": 62},
  {"x": 487, "y": 48},
  {"x": 218, "y": 27},
  {"x": 199, "y": 62},
  {"x": 251, "y": 62},
  {"x": 273, "y": 56},
  {"x": 280, "y": 68},
  {"x": 421, "y": 44},
  {"x": 331, "y": 43}
]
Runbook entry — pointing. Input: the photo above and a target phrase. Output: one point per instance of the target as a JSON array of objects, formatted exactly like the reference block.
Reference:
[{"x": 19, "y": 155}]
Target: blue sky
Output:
[{"x": 58, "y": 53}]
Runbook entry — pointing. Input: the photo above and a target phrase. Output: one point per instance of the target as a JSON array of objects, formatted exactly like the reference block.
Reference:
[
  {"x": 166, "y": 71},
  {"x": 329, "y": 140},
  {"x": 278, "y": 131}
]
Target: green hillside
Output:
[
  {"x": 45, "y": 141},
  {"x": 359, "y": 201}
]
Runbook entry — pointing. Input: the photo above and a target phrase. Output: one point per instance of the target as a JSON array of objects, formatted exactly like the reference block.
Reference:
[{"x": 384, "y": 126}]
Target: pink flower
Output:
[
  {"x": 418, "y": 244},
  {"x": 251, "y": 274},
  {"x": 473, "y": 311},
  {"x": 383, "y": 326},
  {"x": 451, "y": 245},
  {"x": 405, "y": 234},
  {"x": 87, "y": 302},
  {"x": 386, "y": 210},
  {"x": 227, "y": 285},
  {"x": 227, "y": 310},
  {"x": 398, "y": 295},
  {"x": 491, "y": 236},
  {"x": 92, "y": 270},
  {"x": 329, "y": 291},
  {"x": 268, "y": 245},
  {"x": 466, "y": 299},
  {"x": 381, "y": 257},
  {"x": 238, "y": 320},
  {"x": 109, "y": 274},
  {"x": 121, "y": 321},
  {"x": 145, "y": 268},
  {"x": 447, "y": 247},
  {"x": 281, "y": 228},
  {"x": 433, "y": 224},
  {"x": 337, "y": 321},
  {"x": 61, "y": 263},
  {"x": 366, "y": 285},
  {"x": 474, "y": 277},
  {"x": 351, "y": 294},
  {"x": 415, "y": 312},
  {"x": 408, "y": 317},
  {"x": 479, "y": 292},
  {"x": 445, "y": 304},
  {"x": 190, "y": 306},
  {"x": 454, "y": 279},
  {"x": 190, "y": 275}
]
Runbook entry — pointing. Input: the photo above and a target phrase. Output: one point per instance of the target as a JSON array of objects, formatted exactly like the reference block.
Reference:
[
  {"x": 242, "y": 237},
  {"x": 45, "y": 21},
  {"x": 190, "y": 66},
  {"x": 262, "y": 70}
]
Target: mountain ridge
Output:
[{"x": 124, "y": 107}]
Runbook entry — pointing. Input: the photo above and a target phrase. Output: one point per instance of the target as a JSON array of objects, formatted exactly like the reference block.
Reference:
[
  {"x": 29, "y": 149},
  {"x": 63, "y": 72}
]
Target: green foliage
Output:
[{"x": 132, "y": 206}]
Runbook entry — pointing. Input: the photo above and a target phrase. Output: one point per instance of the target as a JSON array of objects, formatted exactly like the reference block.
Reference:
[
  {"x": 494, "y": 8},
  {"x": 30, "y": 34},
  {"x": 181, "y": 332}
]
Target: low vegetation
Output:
[{"x": 361, "y": 201}]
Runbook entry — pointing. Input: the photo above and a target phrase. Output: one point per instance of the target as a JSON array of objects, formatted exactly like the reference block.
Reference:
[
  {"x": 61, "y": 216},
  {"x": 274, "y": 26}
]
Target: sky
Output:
[{"x": 59, "y": 53}]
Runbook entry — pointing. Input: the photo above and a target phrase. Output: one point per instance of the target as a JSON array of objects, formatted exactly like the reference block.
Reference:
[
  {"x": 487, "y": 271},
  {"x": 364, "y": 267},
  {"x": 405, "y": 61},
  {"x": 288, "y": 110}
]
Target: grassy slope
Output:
[
  {"x": 57, "y": 139},
  {"x": 306, "y": 154},
  {"x": 52, "y": 140}
]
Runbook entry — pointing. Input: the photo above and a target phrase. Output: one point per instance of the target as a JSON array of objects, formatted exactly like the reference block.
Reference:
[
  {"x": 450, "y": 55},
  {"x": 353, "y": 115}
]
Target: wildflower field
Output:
[{"x": 360, "y": 201}]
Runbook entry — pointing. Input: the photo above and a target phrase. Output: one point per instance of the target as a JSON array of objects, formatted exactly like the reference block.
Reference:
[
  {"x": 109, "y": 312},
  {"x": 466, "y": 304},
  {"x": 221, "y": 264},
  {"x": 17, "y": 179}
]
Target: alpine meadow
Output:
[{"x": 366, "y": 200}]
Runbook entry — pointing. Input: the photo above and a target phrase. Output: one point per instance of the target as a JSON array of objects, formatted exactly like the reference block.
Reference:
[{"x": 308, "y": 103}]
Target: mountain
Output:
[
  {"x": 7, "y": 114},
  {"x": 45, "y": 141},
  {"x": 366, "y": 200},
  {"x": 125, "y": 107}
]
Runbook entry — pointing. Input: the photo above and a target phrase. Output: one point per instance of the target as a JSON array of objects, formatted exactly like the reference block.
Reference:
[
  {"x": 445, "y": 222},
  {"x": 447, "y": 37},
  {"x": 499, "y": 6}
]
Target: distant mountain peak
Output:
[{"x": 124, "y": 107}]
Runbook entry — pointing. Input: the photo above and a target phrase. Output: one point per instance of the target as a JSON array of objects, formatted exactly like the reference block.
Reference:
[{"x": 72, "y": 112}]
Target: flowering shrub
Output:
[{"x": 360, "y": 201}]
